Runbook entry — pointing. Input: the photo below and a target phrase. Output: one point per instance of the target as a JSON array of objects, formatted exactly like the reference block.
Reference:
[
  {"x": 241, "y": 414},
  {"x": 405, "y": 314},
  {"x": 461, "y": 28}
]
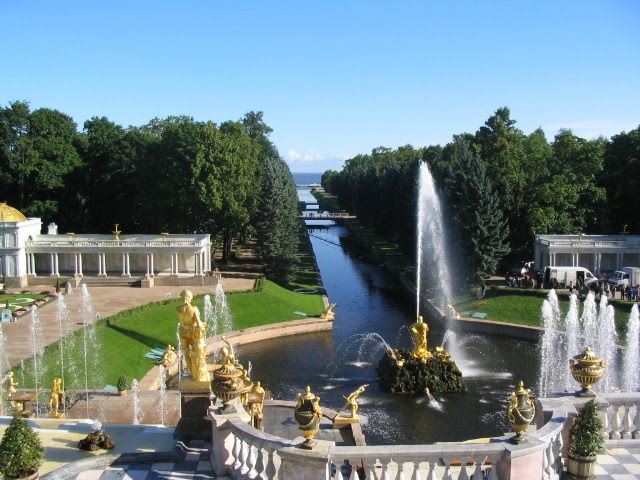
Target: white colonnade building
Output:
[
  {"x": 28, "y": 257},
  {"x": 598, "y": 253}
]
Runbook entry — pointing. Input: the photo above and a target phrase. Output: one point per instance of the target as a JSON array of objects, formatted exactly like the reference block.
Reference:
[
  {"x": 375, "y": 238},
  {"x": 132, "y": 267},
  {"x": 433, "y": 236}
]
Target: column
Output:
[
  {"x": 28, "y": 263},
  {"x": 53, "y": 264},
  {"x": 597, "y": 262},
  {"x": 148, "y": 260},
  {"x": 33, "y": 264},
  {"x": 104, "y": 264},
  {"x": 151, "y": 255},
  {"x": 80, "y": 265},
  {"x": 99, "y": 264},
  {"x": 128, "y": 265}
]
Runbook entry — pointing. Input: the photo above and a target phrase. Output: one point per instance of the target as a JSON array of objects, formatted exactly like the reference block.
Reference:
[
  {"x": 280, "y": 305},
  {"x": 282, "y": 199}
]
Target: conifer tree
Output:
[
  {"x": 476, "y": 214},
  {"x": 278, "y": 223}
]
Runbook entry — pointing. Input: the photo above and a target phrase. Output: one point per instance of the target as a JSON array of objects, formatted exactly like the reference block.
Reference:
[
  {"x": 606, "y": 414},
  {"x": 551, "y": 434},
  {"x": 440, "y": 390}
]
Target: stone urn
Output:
[
  {"x": 228, "y": 384},
  {"x": 586, "y": 368},
  {"x": 308, "y": 414},
  {"x": 520, "y": 412}
]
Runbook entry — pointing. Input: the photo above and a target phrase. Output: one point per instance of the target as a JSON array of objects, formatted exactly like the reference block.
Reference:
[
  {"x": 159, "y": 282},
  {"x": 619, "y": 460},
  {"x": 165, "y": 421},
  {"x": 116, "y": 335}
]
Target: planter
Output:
[
  {"x": 581, "y": 468},
  {"x": 122, "y": 392}
]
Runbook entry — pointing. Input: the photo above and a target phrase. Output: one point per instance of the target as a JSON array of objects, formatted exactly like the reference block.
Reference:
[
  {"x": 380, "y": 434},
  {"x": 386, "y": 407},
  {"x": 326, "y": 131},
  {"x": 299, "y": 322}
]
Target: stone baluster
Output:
[
  {"x": 385, "y": 462},
  {"x": 399, "y": 472},
  {"x": 493, "y": 474},
  {"x": 252, "y": 460},
  {"x": 236, "y": 453},
  {"x": 636, "y": 432},
  {"x": 605, "y": 422},
  {"x": 477, "y": 471},
  {"x": 416, "y": 471},
  {"x": 615, "y": 423},
  {"x": 627, "y": 424},
  {"x": 463, "y": 470},
  {"x": 244, "y": 457},
  {"x": 259, "y": 466},
  {"x": 447, "y": 468},
  {"x": 270, "y": 471}
]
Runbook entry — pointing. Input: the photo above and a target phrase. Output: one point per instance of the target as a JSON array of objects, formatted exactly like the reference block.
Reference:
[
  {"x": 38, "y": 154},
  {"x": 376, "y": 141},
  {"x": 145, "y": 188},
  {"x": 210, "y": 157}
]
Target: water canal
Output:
[{"x": 336, "y": 363}]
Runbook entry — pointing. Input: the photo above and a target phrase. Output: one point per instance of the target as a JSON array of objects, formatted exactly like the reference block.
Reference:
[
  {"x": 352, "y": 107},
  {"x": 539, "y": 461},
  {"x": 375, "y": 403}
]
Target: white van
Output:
[{"x": 564, "y": 277}]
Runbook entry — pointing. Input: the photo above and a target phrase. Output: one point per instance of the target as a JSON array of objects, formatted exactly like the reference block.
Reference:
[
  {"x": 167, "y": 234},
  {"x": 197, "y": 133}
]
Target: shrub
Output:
[
  {"x": 21, "y": 451},
  {"x": 585, "y": 436}
]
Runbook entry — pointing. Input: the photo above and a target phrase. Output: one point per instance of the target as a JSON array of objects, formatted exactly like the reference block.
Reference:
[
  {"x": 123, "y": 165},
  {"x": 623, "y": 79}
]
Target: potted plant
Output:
[
  {"x": 122, "y": 385},
  {"x": 585, "y": 442},
  {"x": 21, "y": 451}
]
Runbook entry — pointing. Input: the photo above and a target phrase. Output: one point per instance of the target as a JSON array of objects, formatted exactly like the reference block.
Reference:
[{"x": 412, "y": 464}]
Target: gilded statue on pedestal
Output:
[
  {"x": 419, "y": 332},
  {"x": 192, "y": 338},
  {"x": 56, "y": 395},
  {"x": 352, "y": 401}
]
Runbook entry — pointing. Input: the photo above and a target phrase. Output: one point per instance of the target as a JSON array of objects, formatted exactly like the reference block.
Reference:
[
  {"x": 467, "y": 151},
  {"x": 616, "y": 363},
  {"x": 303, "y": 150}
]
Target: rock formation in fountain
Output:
[{"x": 420, "y": 371}]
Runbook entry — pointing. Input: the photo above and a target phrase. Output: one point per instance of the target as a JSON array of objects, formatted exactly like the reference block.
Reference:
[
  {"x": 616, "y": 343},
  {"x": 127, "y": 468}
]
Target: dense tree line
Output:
[
  {"x": 500, "y": 187},
  {"x": 173, "y": 175}
]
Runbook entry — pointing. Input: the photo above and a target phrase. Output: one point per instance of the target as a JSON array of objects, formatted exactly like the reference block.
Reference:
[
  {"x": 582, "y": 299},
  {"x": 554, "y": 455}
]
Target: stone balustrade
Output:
[
  {"x": 243, "y": 452},
  {"x": 620, "y": 416}
]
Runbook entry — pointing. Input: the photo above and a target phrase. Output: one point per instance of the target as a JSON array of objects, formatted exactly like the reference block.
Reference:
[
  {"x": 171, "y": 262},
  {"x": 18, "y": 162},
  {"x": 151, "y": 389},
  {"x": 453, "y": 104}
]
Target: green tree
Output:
[
  {"x": 621, "y": 179},
  {"x": 476, "y": 214},
  {"x": 278, "y": 222},
  {"x": 38, "y": 152}
]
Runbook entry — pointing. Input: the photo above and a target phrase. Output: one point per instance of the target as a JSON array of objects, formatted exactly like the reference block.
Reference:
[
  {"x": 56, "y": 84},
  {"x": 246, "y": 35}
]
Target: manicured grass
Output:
[
  {"x": 126, "y": 337},
  {"x": 524, "y": 307}
]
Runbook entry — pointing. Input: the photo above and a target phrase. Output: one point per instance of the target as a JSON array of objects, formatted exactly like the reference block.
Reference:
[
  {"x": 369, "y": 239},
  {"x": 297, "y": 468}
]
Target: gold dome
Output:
[{"x": 10, "y": 214}]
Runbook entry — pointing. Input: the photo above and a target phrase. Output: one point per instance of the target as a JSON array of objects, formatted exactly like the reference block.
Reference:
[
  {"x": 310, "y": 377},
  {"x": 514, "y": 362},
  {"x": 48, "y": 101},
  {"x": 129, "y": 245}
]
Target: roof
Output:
[{"x": 10, "y": 214}]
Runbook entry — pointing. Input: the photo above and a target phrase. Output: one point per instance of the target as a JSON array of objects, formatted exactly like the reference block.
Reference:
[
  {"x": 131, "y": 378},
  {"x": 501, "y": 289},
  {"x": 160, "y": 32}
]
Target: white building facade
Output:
[
  {"x": 28, "y": 257},
  {"x": 598, "y": 253}
]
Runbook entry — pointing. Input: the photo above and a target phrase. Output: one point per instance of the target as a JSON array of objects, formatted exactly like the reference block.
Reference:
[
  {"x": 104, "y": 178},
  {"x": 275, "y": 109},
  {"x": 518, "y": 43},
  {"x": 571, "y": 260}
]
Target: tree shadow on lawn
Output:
[{"x": 144, "y": 339}]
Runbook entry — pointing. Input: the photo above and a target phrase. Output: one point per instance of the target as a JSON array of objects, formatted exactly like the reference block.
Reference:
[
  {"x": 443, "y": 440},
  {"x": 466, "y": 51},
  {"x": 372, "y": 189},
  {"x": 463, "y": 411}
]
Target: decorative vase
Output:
[
  {"x": 308, "y": 415},
  {"x": 581, "y": 468},
  {"x": 586, "y": 368},
  {"x": 228, "y": 384},
  {"x": 520, "y": 412}
]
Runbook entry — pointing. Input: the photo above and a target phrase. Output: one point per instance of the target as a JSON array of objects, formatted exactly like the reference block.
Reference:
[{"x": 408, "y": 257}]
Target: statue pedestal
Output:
[
  {"x": 339, "y": 422},
  {"x": 195, "y": 400}
]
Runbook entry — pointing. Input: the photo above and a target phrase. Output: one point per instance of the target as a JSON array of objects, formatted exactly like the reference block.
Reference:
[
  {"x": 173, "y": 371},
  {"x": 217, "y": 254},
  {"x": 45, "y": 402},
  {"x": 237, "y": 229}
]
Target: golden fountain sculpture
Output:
[
  {"x": 192, "y": 333},
  {"x": 231, "y": 380},
  {"x": 351, "y": 401},
  {"x": 419, "y": 331},
  {"x": 586, "y": 368},
  {"x": 520, "y": 412},
  {"x": 56, "y": 396}
]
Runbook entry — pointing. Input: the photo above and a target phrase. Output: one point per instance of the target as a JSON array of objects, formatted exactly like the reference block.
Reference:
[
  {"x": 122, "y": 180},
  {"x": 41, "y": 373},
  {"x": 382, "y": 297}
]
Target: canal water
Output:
[{"x": 371, "y": 305}]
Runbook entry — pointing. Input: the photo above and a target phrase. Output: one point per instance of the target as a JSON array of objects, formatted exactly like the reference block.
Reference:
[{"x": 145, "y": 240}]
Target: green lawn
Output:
[
  {"x": 23, "y": 301},
  {"x": 126, "y": 337},
  {"x": 524, "y": 307}
]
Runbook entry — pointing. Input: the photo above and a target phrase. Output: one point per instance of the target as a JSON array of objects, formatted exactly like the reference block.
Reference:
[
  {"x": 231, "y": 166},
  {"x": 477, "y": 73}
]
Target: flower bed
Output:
[{"x": 20, "y": 303}]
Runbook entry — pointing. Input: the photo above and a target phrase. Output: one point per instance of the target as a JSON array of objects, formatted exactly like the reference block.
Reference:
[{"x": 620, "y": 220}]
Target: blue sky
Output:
[{"x": 333, "y": 78}]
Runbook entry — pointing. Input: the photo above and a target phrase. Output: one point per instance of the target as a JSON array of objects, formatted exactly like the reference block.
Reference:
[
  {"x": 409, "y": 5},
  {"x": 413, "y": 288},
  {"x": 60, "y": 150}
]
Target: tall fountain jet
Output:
[{"x": 431, "y": 242}]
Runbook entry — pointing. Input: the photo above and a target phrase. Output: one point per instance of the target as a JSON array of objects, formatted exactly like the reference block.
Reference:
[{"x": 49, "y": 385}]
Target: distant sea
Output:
[{"x": 305, "y": 178}]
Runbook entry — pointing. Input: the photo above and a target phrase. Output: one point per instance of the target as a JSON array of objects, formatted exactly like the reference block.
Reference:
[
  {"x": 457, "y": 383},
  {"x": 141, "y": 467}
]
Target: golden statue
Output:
[
  {"x": 199, "y": 370},
  {"x": 228, "y": 357},
  {"x": 56, "y": 395},
  {"x": 11, "y": 386},
  {"x": 328, "y": 314},
  {"x": 11, "y": 383},
  {"x": 419, "y": 332},
  {"x": 192, "y": 337},
  {"x": 452, "y": 312},
  {"x": 352, "y": 401},
  {"x": 256, "y": 406},
  {"x": 169, "y": 356}
]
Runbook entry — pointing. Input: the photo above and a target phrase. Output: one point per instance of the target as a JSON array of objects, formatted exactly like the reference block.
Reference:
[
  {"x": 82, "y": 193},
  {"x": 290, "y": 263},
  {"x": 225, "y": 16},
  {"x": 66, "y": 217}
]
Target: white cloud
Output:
[{"x": 314, "y": 161}]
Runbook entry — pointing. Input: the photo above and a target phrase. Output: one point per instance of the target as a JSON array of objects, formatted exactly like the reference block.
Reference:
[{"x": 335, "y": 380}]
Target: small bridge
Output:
[{"x": 326, "y": 215}]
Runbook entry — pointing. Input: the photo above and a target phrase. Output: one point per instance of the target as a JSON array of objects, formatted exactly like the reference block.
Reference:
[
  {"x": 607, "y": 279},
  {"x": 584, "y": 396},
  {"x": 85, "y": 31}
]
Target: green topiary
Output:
[
  {"x": 21, "y": 451},
  {"x": 122, "y": 383},
  {"x": 585, "y": 436}
]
